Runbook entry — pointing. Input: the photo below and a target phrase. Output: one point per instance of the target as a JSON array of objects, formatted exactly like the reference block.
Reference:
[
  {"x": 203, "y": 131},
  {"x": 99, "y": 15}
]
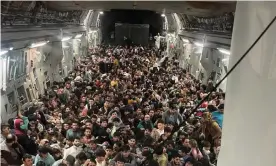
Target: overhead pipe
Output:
[
  {"x": 87, "y": 19},
  {"x": 177, "y": 21}
]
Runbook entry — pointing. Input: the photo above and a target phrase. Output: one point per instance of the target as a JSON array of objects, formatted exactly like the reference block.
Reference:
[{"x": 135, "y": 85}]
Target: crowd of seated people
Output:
[{"x": 120, "y": 106}]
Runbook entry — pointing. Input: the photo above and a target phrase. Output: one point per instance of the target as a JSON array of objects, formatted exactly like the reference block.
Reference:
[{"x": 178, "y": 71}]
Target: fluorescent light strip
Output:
[
  {"x": 66, "y": 38},
  {"x": 224, "y": 51},
  {"x": 198, "y": 44},
  {"x": 165, "y": 22},
  {"x": 3, "y": 52},
  {"x": 38, "y": 44},
  {"x": 78, "y": 36}
]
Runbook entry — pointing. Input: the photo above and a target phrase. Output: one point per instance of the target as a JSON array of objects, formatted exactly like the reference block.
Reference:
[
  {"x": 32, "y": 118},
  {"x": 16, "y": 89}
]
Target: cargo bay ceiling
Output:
[
  {"x": 206, "y": 16},
  {"x": 181, "y": 7}
]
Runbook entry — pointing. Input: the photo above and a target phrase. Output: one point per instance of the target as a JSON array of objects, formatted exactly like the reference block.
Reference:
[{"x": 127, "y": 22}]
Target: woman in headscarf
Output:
[
  {"x": 21, "y": 124},
  {"x": 210, "y": 128}
]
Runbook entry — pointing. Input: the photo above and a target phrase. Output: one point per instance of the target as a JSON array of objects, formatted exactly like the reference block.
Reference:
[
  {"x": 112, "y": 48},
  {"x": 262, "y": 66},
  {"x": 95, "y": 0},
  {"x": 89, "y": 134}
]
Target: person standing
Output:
[
  {"x": 44, "y": 156},
  {"x": 5, "y": 131},
  {"x": 11, "y": 151}
]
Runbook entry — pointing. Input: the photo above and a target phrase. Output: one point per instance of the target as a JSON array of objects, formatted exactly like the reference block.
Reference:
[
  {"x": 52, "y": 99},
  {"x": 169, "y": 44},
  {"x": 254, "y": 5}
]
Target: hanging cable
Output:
[{"x": 227, "y": 74}]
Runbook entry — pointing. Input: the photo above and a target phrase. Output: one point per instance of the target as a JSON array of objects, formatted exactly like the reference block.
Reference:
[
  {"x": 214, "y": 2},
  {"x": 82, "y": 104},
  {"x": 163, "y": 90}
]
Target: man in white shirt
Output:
[{"x": 73, "y": 150}]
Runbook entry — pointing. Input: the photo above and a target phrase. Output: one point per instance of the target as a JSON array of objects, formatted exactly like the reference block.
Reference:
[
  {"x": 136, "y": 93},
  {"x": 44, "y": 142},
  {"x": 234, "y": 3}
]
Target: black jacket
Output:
[{"x": 7, "y": 156}]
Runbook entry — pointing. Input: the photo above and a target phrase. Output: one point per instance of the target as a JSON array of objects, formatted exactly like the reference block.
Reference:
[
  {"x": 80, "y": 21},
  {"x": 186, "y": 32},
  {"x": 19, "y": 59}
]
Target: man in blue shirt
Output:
[
  {"x": 45, "y": 156},
  {"x": 218, "y": 115}
]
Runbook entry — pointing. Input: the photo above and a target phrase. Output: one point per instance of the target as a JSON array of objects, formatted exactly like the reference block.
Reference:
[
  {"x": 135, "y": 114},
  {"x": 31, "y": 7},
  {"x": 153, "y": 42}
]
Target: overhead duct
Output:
[
  {"x": 84, "y": 16},
  {"x": 88, "y": 18},
  {"x": 94, "y": 19},
  {"x": 177, "y": 21},
  {"x": 171, "y": 23}
]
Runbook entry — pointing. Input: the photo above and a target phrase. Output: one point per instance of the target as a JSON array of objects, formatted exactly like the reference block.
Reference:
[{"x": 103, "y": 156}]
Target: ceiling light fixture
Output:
[
  {"x": 65, "y": 38},
  {"x": 224, "y": 51},
  {"x": 163, "y": 15},
  {"x": 78, "y": 36},
  {"x": 92, "y": 32},
  {"x": 3, "y": 52},
  {"x": 11, "y": 48},
  {"x": 198, "y": 50},
  {"x": 39, "y": 44},
  {"x": 198, "y": 44},
  {"x": 101, "y": 12},
  {"x": 185, "y": 40},
  {"x": 225, "y": 59}
]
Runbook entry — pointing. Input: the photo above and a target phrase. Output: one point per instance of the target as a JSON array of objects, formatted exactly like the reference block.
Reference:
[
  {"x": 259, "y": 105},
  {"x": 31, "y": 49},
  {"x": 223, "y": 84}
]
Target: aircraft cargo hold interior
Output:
[{"x": 138, "y": 83}]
